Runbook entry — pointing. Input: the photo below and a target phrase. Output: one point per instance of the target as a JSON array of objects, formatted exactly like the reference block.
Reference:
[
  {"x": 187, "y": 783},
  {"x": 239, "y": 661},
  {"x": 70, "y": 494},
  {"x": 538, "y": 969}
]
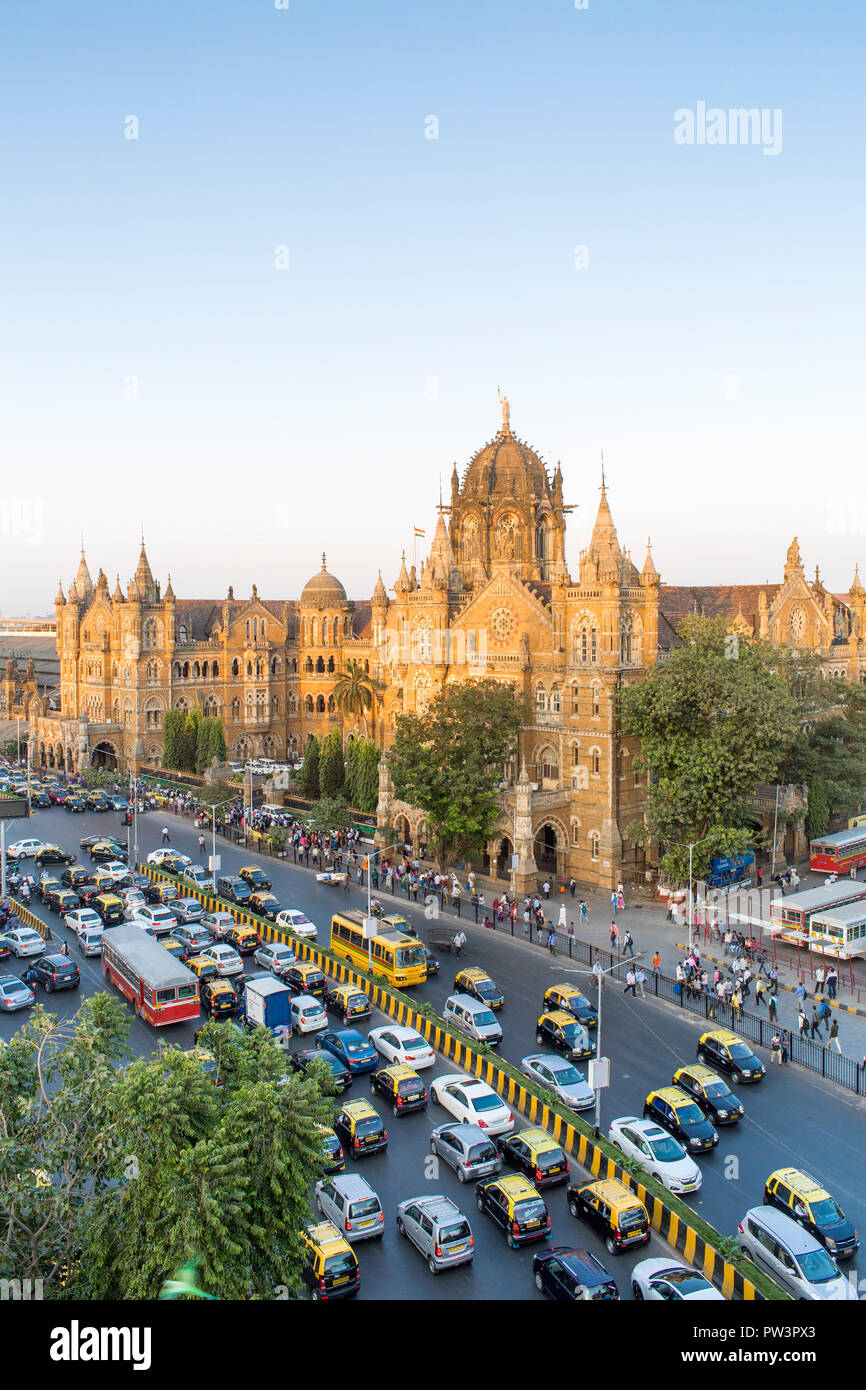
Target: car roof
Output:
[
  {"x": 401, "y": 1072},
  {"x": 673, "y": 1095},
  {"x": 613, "y": 1191},
  {"x": 722, "y": 1035},
  {"x": 583, "y": 1263},
  {"x": 326, "y": 1236},
  {"x": 800, "y": 1182},
  {"x": 701, "y": 1073},
  {"x": 436, "y": 1205},
  {"x": 798, "y": 1240},
  {"x": 516, "y": 1185},
  {"x": 353, "y": 1185},
  {"x": 359, "y": 1109},
  {"x": 558, "y": 1016},
  {"x": 538, "y": 1139}
]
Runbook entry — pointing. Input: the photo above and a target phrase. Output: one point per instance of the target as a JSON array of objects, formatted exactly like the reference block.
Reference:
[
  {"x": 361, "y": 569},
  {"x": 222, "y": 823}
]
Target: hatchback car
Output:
[
  {"x": 560, "y": 1030},
  {"x": 476, "y": 982},
  {"x": 400, "y": 1044},
  {"x": 306, "y": 978},
  {"x": 330, "y": 1268},
  {"x": 514, "y": 1205},
  {"x": 218, "y": 922},
  {"x": 53, "y": 854},
  {"x": 680, "y": 1116},
  {"x": 536, "y": 1154},
  {"x": 473, "y": 1102},
  {"x": 572, "y": 1001},
  {"x": 466, "y": 1149},
  {"x": 348, "y": 1002},
  {"x": 808, "y": 1202},
  {"x": 274, "y": 956},
  {"x": 62, "y": 901},
  {"x": 187, "y": 909},
  {"x": 82, "y": 918},
  {"x": 56, "y": 972},
  {"x": 23, "y": 941},
  {"x": 225, "y": 958},
  {"x": 266, "y": 905},
  {"x": 727, "y": 1052},
  {"x": 557, "y": 1074},
  {"x": 567, "y": 1275},
  {"x": 308, "y": 1015},
  {"x": 218, "y": 998},
  {"x": 14, "y": 994},
  {"x": 255, "y": 878},
  {"x": 161, "y": 919},
  {"x": 613, "y": 1211},
  {"x": 360, "y": 1128},
  {"x": 73, "y": 878},
  {"x": 351, "y": 1204},
  {"x": 438, "y": 1229},
  {"x": 351, "y": 1047},
  {"x": 401, "y": 1087},
  {"x": 711, "y": 1093},
  {"x": 193, "y": 937}
]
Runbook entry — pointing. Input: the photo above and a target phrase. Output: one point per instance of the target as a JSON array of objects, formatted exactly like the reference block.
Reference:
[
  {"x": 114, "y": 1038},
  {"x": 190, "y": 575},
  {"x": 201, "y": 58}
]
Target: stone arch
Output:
[
  {"x": 550, "y": 845},
  {"x": 105, "y": 755},
  {"x": 154, "y": 755}
]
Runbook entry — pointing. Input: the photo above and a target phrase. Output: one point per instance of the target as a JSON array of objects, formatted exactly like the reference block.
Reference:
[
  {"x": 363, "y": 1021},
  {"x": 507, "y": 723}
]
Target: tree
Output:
[
  {"x": 350, "y": 768},
  {"x": 355, "y": 691},
  {"x": 309, "y": 777},
  {"x": 448, "y": 761},
  {"x": 818, "y": 813},
  {"x": 332, "y": 772},
  {"x": 329, "y": 814},
  {"x": 366, "y": 776},
  {"x": 171, "y": 742},
  {"x": 113, "y": 1178},
  {"x": 715, "y": 721}
]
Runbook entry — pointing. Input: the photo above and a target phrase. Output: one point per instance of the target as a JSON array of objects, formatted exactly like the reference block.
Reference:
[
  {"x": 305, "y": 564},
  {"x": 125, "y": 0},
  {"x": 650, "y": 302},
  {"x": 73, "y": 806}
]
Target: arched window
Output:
[
  {"x": 236, "y": 710},
  {"x": 196, "y": 671},
  {"x": 275, "y": 706},
  {"x": 215, "y": 670},
  {"x": 320, "y": 705},
  {"x": 324, "y": 632},
  {"x": 593, "y": 844},
  {"x": 264, "y": 638},
  {"x": 294, "y": 665},
  {"x": 248, "y": 629},
  {"x": 183, "y": 634},
  {"x": 204, "y": 670},
  {"x": 346, "y": 626},
  {"x": 308, "y": 704},
  {"x": 595, "y": 761},
  {"x": 596, "y": 701},
  {"x": 320, "y": 665},
  {"x": 315, "y": 640},
  {"x": 575, "y": 754},
  {"x": 555, "y": 701},
  {"x": 332, "y": 708},
  {"x": 575, "y": 699},
  {"x": 275, "y": 666},
  {"x": 249, "y": 668},
  {"x": 331, "y": 666},
  {"x": 308, "y": 664},
  {"x": 149, "y": 633},
  {"x": 177, "y": 670},
  {"x": 541, "y": 699},
  {"x": 548, "y": 764},
  {"x": 186, "y": 670}
]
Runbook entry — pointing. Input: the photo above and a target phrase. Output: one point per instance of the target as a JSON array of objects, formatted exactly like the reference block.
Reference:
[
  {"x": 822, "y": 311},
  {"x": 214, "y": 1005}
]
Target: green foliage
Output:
[
  {"x": 328, "y": 814},
  {"x": 818, "y": 813},
  {"x": 367, "y": 757},
  {"x": 449, "y": 760},
  {"x": 309, "y": 776},
  {"x": 355, "y": 691},
  {"x": 350, "y": 766},
  {"x": 171, "y": 738},
  {"x": 332, "y": 773},
  {"x": 153, "y": 1164},
  {"x": 713, "y": 724},
  {"x": 99, "y": 778}
]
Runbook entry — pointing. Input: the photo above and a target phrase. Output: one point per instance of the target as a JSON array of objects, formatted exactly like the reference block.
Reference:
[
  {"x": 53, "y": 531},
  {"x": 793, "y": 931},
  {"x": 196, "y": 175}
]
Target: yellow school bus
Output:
[{"x": 398, "y": 957}]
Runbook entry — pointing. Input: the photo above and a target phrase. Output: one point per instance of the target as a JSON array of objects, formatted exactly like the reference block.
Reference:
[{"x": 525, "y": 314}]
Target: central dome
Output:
[
  {"x": 506, "y": 465},
  {"x": 323, "y": 588}
]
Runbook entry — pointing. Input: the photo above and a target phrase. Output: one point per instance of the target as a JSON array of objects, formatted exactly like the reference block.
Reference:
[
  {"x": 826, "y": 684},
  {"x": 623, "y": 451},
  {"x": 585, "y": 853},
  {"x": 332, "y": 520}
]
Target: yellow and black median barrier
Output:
[{"x": 681, "y": 1228}]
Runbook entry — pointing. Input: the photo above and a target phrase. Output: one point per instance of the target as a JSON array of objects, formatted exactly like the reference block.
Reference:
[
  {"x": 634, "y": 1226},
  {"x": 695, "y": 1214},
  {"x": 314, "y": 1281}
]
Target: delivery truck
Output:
[{"x": 268, "y": 1001}]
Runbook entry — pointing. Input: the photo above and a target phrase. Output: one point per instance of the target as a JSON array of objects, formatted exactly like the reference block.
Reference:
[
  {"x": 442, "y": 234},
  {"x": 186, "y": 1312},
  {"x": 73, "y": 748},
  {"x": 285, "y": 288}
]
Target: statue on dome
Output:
[{"x": 506, "y": 411}]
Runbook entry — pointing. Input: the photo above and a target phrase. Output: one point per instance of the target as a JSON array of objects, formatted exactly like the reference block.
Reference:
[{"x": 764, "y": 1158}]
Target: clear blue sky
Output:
[{"x": 282, "y": 412}]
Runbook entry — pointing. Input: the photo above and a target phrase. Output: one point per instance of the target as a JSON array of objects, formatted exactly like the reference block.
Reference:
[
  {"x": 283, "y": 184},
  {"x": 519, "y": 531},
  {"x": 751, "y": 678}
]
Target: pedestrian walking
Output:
[
  {"x": 526, "y": 920},
  {"x": 670, "y": 913},
  {"x": 776, "y": 1049},
  {"x": 657, "y": 963},
  {"x": 786, "y": 1043},
  {"x": 631, "y": 983},
  {"x": 65, "y": 948},
  {"x": 628, "y": 944},
  {"x": 572, "y": 886},
  {"x": 800, "y": 991},
  {"x": 771, "y": 1008},
  {"x": 760, "y": 990},
  {"x": 833, "y": 1038},
  {"x": 832, "y": 981},
  {"x": 814, "y": 1024},
  {"x": 165, "y": 835},
  {"x": 614, "y": 933},
  {"x": 551, "y": 939},
  {"x": 545, "y": 888},
  {"x": 563, "y": 918},
  {"x": 802, "y": 1021},
  {"x": 774, "y": 979},
  {"x": 819, "y": 981},
  {"x": 613, "y": 901},
  {"x": 640, "y": 977},
  {"x": 824, "y": 1013},
  {"x": 584, "y": 911},
  {"x": 620, "y": 901},
  {"x": 459, "y": 942}
]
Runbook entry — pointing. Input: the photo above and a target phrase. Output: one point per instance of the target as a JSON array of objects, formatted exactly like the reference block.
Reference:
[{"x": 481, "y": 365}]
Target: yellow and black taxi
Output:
[
  {"x": 476, "y": 982},
  {"x": 613, "y": 1210},
  {"x": 348, "y": 1002},
  {"x": 48, "y": 883},
  {"x": 218, "y": 997},
  {"x": 266, "y": 904},
  {"x": 360, "y": 1129},
  {"x": 682, "y": 1117},
  {"x": 725, "y": 1050},
  {"x": 515, "y": 1206},
  {"x": 393, "y": 919},
  {"x": 107, "y": 850},
  {"x": 110, "y": 908},
  {"x": 402, "y": 1088},
  {"x": 73, "y": 878},
  {"x": 203, "y": 967},
  {"x": 255, "y": 878},
  {"x": 333, "y": 1157},
  {"x": 806, "y": 1201},
  {"x": 573, "y": 1001},
  {"x": 207, "y": 1062},
  {"x": 305, "y": 978},
  {"x": 244, "y": 939},
  {"x": 53, "y": 854},
  {"x": 330, "y": 1268},
  {"x": 75, "y": 804},
  {"x": 561, "y": 1031},
  {"x": 61, "y": 901},
  {"x": 712, "y": 1094},
  {"x": 174, "y": 947},
  {"x": 536, "y": 1154},
  {"x": 104, "y": 882}
]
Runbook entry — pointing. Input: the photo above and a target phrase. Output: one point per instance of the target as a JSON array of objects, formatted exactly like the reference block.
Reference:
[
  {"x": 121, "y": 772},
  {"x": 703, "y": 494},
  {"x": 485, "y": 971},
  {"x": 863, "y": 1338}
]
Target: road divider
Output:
[{"x": 684, "y": 1231}]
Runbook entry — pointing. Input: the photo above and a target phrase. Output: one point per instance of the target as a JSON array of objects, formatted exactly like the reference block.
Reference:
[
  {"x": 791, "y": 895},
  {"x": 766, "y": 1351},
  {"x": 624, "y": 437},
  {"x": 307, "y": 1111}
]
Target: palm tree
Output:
[{"x": 355, "y": 691}]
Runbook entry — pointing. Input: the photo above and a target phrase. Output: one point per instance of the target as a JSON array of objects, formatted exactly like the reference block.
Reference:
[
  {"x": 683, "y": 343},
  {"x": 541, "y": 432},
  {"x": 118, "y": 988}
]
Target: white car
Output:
[
  {"x": 663, "y": 1157},
  {"x": 217, "y": 923},
  {"x": 24, "y": 849},
  {"x": 472, "y": 1102},
  {"x": 82, "y": 919},
  {"x": 199, "y": 876},
  {"x": 24, "y": 941},
  {"x": 115, "y": 869},
  {"x": 225, "y": 958},
  {"x": 90, "y": 941},
  {"x": 308, "y": 1014},
  {"x": 666, "y": 1279},
  {"x": 275, "y": 956},
  {"x": 402, "y": 1045},
  {"x": 133, "y": 902},
  {"x": 298, "y": 922},
  {"x": 159, "y": 856},
  {"x": 159, "y": 919},
  {"x": 556, "y": 1073}
]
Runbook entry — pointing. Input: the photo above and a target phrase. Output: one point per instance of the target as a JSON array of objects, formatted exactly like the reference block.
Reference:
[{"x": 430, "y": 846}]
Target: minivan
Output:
[
  {"x": 473, "y": 1018},
  {"x": 352, "y": 1205},
  {"x": 438, "y": 1229},
  {"x": 791, "y": 1256}
]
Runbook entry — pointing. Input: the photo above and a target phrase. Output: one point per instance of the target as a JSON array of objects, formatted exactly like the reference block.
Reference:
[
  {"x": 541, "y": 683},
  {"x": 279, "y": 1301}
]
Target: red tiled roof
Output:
[{"x": 714, "y": 600}]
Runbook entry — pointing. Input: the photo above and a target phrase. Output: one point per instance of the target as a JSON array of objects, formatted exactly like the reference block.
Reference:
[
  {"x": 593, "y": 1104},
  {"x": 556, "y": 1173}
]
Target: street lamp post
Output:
[
  {"x": 598, "y": 976},
  {"x": 379, "y": 850}
]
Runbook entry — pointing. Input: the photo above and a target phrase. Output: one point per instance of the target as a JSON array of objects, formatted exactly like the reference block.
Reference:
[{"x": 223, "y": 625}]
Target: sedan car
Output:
[
  {"x": 300, "y": 1061},
  {"x": 666, "y": 1279},
  {"x": 107, "y": 850},
  {"x": 24, "y": 849},
  {"x": 562, "y": 1031},
  {"x": 275, "y": 956},
  {"x": 53, "y": 854},
  {"x": 567, "y": 1275},
  {"x": 658, "y": 1152},
  {"x": 556, "y": 1073},
  {"x": 23, "y": 941},
  {"x": 466, "y": 1149},
  {"x": 168, "y": 859},
  {"x": 399, "y": 1044},
  {"x": 14, "y": 994},
  {"x": 82, "y": 919},
  {"x": 351, "y": 1047},
  {"x": 187, "y": 909},
  {"x": 56, "y": 972},
  {"x": 133, "y": 902},
  {"x": 297, "y": 922},
  {"x": 225, "y": 958},
  {"x": 473, "y": 1102},
  {"x": 117, "y": 869},
  {"x": 244, "y": 939}
]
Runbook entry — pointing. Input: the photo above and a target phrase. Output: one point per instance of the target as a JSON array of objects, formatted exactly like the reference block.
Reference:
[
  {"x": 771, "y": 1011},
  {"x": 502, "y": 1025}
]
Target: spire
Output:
[
  {"x": 605, "y": 542},
  {"x": 117, "y": 596},
  {"x": 856, "y": 590},
  {"x": 649, "y": 574},
  {"x": 60, "y": 596},
  {"x": 793, "y": 563},
  {"x": 402, "y": 586},
  {"x": 380, "y": 595},
  {"x": 144, "y": 576},
  {"x": 83, "y": 582},
  {"x": 169, "y": 592},
  {"x": 102, "y": 580},
  {"x": 441, "y": 553}
]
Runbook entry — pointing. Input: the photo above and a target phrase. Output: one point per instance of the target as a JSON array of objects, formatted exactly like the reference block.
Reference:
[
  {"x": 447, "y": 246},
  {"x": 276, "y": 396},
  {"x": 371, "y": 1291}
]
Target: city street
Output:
[{"x": 789, "y": 1115}]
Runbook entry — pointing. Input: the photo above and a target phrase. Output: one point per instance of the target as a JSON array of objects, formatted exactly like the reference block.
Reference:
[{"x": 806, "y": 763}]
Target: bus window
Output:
[
  {"x": 166, "y": 996},
  {"x": 187, "y": 992}
]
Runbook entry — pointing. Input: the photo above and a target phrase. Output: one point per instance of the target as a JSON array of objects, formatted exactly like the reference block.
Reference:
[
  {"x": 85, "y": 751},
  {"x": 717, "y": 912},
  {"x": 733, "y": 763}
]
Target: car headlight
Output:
[
  {"x": 723, "y": 1114},
  {"x": 831, "y": 1244}
]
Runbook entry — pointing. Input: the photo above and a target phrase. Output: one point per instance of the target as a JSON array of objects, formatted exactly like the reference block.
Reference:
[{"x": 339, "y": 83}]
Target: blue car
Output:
[{"x": 351, "y": 1047}]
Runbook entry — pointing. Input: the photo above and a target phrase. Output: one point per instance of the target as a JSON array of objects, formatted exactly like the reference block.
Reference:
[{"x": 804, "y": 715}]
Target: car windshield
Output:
[
  {"x": 569, "y": 1030},
  {"x": 459, "y": 1231},
  {"x": 482, "y": 1153},
  {"x": 740, "y": 1052},
  {"x": 826, "y": 1212},
  {"x": 690, "y": 1114},
  {"x": 688, "y": 1281},
  {"x": 666, "y": 1150},
  {"x": 410, "y": 955},
  {"x": 818, "y": 1267},
  {"x": 531, "y": 1210},
  {"x": 484, "y": 1018},
  {"x": 344, "y": 1263},
  {"x": 567, "y": 1075},
  {"x": 357, "y": 1001},
  {"x": 716, "y": 1089},
  {"x": 482, "y": 1103},
  {"x": 410, "y": 1043},
  {"x": 369, "y": 1206}
]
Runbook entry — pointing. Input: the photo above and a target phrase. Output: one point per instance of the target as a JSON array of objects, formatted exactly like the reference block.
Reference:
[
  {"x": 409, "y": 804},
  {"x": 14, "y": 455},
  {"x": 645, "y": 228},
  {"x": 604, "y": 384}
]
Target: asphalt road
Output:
[{"x": 791, "y": 1119}]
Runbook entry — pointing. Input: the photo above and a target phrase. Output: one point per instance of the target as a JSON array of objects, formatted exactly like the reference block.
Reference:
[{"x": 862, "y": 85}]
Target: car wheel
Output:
[
  {"x": 511, "y": 1241},
  {"x": 736, "y": 1076},
  {"x": 49, "y": 988},
  {"x": 319, "y": 1206},
  {"x": 573, "y": 1207},
  {"x": 462, "y": 1175},
  {"x": 539, "y": 1038},
  {"x": 434, "y": 1097},
  {"x": 611, "y": 1245},
  {"x": 401, "y": 1229},
  {"x": 431, "y": 1265},
  {"x": 394, "y": 1111},
  {"x": 433, "y": 1148},
  {"x": 702, "y": 1057},
  {"x": 372, "y": 1089},
  {"x": 479, "y": 1202},
  {"x": 637, "y": 1292},
  {"x": 314, "y": 1295}
]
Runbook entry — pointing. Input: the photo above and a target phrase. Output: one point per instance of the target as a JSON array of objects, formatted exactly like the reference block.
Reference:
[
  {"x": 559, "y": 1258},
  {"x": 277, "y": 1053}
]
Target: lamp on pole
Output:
[
  {"x": 598, "y": 975},
  {"x": 379, "y": 850},
  {"x": 691, "y": 847},
  {"x": 213, "y": 810}
]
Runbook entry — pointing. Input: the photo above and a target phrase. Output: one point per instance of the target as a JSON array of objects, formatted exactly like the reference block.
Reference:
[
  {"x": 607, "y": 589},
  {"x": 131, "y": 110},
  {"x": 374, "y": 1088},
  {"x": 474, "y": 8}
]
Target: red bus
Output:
[
  {"x": 160, "y": 988},
  {"x": 795, "y": 912},
  {"x": 837, "y": 854}
]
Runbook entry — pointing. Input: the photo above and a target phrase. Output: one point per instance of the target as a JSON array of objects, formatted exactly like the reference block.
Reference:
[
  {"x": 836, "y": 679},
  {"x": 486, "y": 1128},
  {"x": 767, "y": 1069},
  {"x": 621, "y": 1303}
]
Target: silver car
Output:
[
  {"x": 352, "y": 1205},
  {"x": 561, "y": 1076},
  {"x": 438, "y": 1229},
  {"x": 187, "y": 909},
  {"x": 14, "y": 994},
  {"x": 90, "y": 941},
  {"x": 24, "y": 941},
  {"x": 466, "y": 1149},
  {"x": 791, "y": 1256},
  {"x": 275, "y": 956}
]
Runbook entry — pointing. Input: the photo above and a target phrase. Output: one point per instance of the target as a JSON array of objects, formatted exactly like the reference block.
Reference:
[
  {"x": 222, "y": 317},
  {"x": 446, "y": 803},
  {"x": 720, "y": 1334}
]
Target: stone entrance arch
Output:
[
  {"x": 105, "y": 755},
  {"x": 550, "y": 847}
]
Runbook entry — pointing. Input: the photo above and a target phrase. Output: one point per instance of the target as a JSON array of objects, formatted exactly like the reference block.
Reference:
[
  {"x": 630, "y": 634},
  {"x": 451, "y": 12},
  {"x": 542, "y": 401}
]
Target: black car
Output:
[
  {"x": 727, "y": 1052},
  {"x": 97, "y": 802},
  {"x": 711, "y": 1093},
  {"x": 401, "y": 1087},
  {"x": 568, "y": 1275},
  {"x": 256, "y": 879},
  {"x": 517, "y": 1210},
  {"x": 267, "y": 905},
  {"x": 88, "y": 841},
  {"x": 535, "y": 1154},
  {"x": 56, "y": 972},
  {"x": 676, "y": 1112},
  {"x": 61, "y": 901},
  {"x": 53, "y": 854},
  {"x": 233, "y": 889},
  {"x": 342, "y": 1076},
  {"x": 40, "y": 799},
  {"x": 107, "y": 850},
  {"x": 239, "y": 938},
  {"x": 47, "y": 885},
  {"x": 73, "y": 878},
  {"x": 217, "y": 1000},
  {"x": 432, "y": 962}
]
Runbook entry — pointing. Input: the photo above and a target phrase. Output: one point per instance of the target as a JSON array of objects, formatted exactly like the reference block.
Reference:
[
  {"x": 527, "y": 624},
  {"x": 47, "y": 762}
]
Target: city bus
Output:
[
  {"x": 838, "y": 853},
  {"x": 841, "y": 932},
  {"x": 160, "y": 988},
  {"x": 398, "y": 957},
  {"x": 792, "y": 916}
]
